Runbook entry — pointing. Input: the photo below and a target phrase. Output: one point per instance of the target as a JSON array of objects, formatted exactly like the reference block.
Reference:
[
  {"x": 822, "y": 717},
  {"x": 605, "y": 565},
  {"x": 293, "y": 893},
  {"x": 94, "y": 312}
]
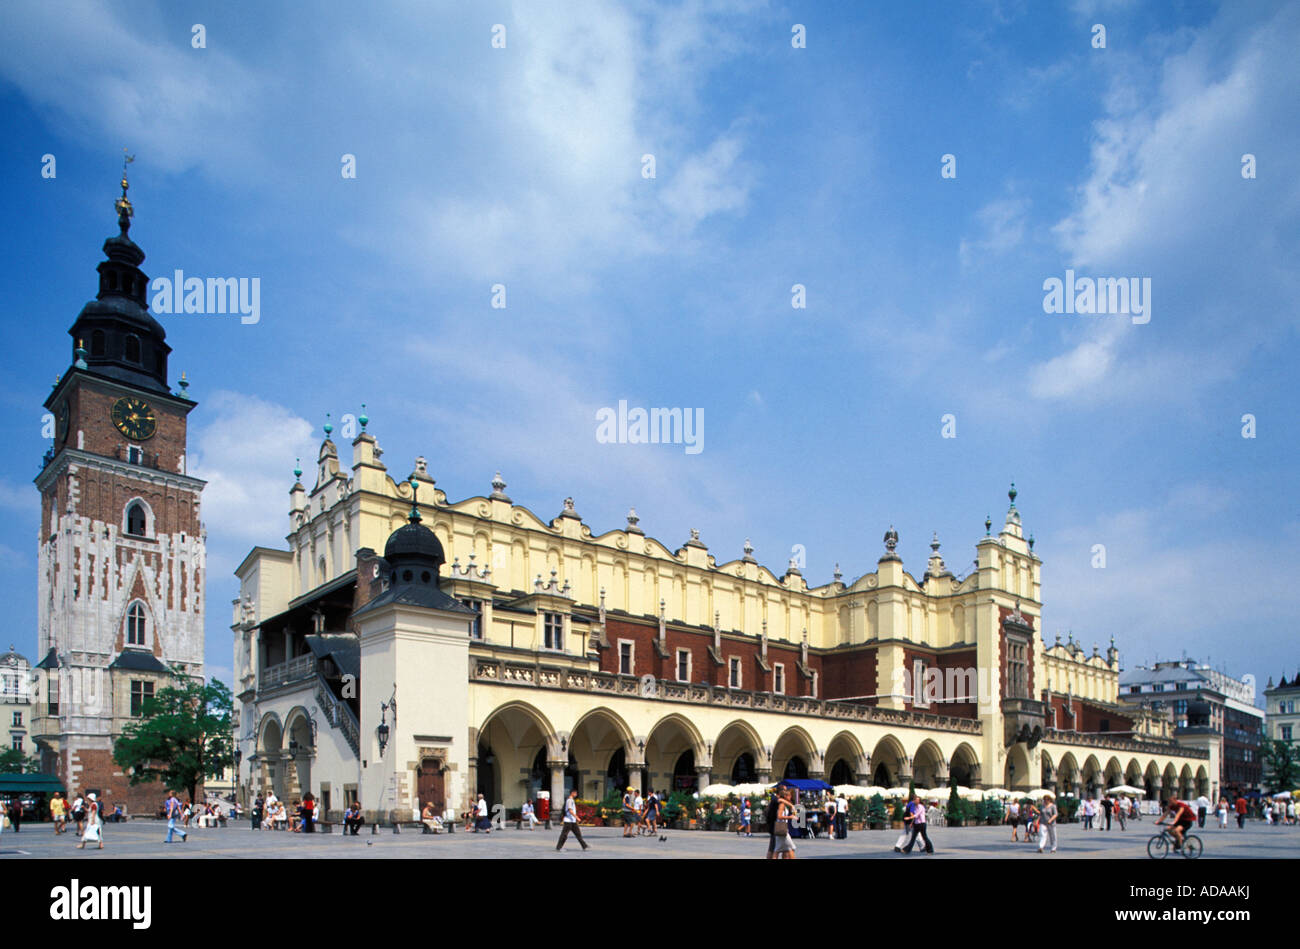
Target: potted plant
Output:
[
  {"x": 956, "y": 806},
  {"x": 899, "y": 811},
  {"x": 858, "y": 812},
  {"x": 877, "y": 812}
]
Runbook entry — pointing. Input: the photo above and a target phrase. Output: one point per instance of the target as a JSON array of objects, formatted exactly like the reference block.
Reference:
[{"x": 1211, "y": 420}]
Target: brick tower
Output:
[{"x": 120, "y": 545}]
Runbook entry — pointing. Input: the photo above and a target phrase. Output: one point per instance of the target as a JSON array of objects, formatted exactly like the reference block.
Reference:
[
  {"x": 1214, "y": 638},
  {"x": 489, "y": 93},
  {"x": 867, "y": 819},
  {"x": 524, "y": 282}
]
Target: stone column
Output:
[
  {"x": 635, "y": 777},
  {"x": 557, "y": 788},
  {"x": 703, "y": 778},
  {"x": 764, "y": 776}
]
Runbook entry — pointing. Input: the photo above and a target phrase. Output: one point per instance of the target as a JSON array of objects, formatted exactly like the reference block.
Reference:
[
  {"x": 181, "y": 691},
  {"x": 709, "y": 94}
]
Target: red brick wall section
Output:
[
  {"x": 846, "y": 674},
  {"x": 99, "y": 772},
  {"x": 841, "y": 674},
  {"x": 91, "y": 412},
  {"x": 943, "y": 662}
]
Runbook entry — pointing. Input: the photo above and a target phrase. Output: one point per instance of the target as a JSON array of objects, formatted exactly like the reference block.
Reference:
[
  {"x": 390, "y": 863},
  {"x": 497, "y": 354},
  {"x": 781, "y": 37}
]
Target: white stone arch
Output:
[
  {"x": 964, "y": 762},
  {"x": 889, "y": 761},
  {"x": 929, "y": 766},
  {"x": 793, "y": 742},
  {"x": 738, "y": 737},
  {"x": 595, "y": 740},
  {"x": 845, "y": 746},
  {"x": 667, "y": 741}
]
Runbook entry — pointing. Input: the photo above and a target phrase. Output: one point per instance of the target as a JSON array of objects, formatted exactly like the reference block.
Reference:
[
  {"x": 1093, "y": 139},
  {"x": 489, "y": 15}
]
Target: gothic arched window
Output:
[
  {"x": 132, "y": 348},
  {"x": 135, "y": 624},
  {"x": 135, "y": 520}
]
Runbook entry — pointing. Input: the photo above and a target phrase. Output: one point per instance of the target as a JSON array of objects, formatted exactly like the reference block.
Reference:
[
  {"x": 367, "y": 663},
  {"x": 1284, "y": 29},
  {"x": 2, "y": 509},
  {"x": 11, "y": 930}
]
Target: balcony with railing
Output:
[{"x": 296, "y": 669}]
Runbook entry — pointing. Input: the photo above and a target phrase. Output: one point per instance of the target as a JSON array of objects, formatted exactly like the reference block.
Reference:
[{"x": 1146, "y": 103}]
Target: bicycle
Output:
[{"x": 1160, "y": 846}]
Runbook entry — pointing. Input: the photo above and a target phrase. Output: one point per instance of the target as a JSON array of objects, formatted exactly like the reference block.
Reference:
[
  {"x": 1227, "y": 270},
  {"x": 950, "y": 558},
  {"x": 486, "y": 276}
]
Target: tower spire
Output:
[{"x": 123, "y": 204}]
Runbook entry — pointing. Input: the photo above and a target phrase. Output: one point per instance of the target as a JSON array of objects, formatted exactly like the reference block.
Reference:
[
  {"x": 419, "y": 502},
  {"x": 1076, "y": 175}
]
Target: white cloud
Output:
[
  {"x": 1002, "y": 227},
  {"x": 1076, "y": 371},
  {"x": 246, "y": 453}
]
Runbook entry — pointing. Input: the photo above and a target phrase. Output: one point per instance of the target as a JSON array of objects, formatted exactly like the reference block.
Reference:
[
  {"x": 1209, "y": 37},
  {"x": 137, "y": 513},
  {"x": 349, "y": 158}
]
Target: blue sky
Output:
[{"x": 774, "y": 166}]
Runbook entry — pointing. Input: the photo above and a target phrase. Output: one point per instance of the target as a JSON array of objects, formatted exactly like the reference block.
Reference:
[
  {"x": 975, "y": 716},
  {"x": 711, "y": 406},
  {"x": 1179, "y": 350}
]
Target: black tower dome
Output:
[
  {"x": 413, "y": 552},
  {"x": 121, "y": 338}
]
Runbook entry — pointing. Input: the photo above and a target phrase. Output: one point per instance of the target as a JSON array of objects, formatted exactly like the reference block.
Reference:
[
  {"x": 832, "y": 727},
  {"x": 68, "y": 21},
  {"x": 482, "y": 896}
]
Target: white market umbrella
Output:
[
  {"x": 971, "y": 794},
  {"x": 854, "y": 790},
  {"x": 1282, "y": 796},
  {"x": 1126, "y": 789},
  {"x": 896, "y": 792},
  {"x": 750, "y": 790},
  {"x": 1037, "y": 794},
  {"x": 997, "y": 792},
  {"x": 717, "y": 790}
]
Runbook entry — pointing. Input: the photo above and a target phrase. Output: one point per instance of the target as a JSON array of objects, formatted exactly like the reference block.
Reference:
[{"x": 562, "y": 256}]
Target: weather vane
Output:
[{"x": 123, "y": 204}]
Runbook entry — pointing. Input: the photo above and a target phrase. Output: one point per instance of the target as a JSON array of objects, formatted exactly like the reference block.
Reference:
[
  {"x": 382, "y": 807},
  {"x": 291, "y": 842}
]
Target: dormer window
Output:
[{"x": 132, "y": 350}]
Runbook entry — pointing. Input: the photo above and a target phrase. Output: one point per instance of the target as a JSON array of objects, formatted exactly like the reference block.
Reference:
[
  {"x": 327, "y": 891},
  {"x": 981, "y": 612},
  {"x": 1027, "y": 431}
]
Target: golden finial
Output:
[{"x": 123, "y": 204}]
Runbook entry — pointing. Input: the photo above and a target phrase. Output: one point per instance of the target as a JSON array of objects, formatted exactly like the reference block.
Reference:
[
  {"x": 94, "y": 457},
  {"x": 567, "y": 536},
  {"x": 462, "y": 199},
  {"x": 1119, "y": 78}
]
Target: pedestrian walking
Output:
[
  {"x": 916, "y": 815},
  {"x": 1241, "y": 807},
  {"x": 481, "y": 820},
  {"x": 746, "y": 816},
  {"x": 571, "y": 822},
  {"x": 1013, "y": 818},
  {"x": 650, "y": 817},
  {"x": 4, "y": 813},
  {"x": 1202, "y": 808},
  {"x": 841, "y": 817},
  {"x": 58, "y": 813},
  {"x": 783, "y": 843},
  {"x": 16, "y": 814},
  {"x": 1119, "y": 810},
  {"x": 629, "y": 813},
  {"x": 1048, "y": 822},
  {"x": 79, "y": 813},
  {"x": 257, "y": 812},
  {"x": 94, "y": 826},
  {"x": 173, "y": 811}
]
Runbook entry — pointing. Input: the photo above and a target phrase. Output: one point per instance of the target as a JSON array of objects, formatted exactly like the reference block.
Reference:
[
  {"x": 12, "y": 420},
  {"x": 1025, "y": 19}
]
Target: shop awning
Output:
[
  {"x": 29, "y": 783},
  {"x": 806, "y": 784}
]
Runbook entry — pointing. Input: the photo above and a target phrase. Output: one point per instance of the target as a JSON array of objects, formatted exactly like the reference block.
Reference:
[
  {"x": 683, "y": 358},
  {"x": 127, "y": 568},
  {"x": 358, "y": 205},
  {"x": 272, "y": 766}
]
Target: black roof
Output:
[
  {"x": 137, "y": 660},
  {"x": 426, "y": 595},
  {"x": 51, "y": 660},
  {"x": 343, "y": 648}
]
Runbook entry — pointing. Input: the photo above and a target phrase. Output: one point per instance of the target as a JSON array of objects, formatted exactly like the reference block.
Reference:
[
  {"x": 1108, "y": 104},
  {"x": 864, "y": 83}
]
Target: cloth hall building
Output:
[{"x": 489, "y": 649}]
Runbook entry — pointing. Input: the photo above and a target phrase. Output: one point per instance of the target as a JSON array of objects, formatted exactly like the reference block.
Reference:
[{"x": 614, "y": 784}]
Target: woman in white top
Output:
[{"x": 529, "y": 814}]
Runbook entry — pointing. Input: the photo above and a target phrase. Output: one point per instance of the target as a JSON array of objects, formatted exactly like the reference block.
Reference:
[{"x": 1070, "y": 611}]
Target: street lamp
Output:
[{"x": 382, "y": 731}]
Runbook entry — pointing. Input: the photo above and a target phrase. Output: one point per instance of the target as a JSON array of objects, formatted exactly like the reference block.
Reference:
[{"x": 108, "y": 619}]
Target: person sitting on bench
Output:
[
  {"x": 429, "y": 817},
  {"x": 352, "y": 819}
]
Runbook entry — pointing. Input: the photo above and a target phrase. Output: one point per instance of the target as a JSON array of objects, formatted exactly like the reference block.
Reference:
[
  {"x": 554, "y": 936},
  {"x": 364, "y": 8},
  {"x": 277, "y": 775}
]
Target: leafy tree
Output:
[
  {"x": 182, "y": 736},
  {"x": 13, "y": 761},
  {"x": 1281, "y": 764}
]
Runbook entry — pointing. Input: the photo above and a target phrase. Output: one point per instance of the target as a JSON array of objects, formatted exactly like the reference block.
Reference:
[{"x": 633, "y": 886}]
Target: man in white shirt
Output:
[
  {"x": 571, "y": 822},
  {"x": 841, "y": 817},
  {"x": 481, "y": 813},
  {"x": 1202, "y": 808}
]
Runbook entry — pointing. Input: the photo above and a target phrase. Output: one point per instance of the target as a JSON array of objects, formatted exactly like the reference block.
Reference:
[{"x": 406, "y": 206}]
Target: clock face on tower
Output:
[{"x": 134, "y": 418}]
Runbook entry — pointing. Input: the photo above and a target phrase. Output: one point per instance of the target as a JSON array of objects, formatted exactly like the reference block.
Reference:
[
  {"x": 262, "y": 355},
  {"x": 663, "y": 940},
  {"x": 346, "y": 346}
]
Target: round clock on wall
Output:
[{"x": 134, "y": 418}]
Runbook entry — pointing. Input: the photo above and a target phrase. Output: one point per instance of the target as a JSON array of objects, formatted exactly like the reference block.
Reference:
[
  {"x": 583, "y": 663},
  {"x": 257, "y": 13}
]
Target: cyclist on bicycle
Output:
[{"x": 1182, "y": 816}]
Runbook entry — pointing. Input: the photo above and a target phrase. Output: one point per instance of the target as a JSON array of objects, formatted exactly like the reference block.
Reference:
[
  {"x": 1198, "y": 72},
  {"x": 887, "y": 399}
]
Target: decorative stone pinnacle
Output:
[
  {"x": 934, "y": 543},
  {"x": 297, "y": 469},
  {"x": 988, "y": 524},
  {"x": 329, "y": 426},
  {"x": 414, "y": 516},
  {"x": 837, "y": 575},
  {"x": 362, "y": 418},
  {"x": 749, "y": 550},
  {"x": 81, "y": 355},
  {"x": 1012, "y": 495}
]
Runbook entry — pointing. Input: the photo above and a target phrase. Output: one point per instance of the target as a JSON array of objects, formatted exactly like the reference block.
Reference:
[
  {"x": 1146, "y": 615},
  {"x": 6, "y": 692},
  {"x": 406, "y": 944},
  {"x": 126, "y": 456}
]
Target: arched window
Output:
[
  {"x": 135, "y": 519},
  {"x": 97, "y": 343},
  {"x": 135, "y": 624},
  {"x": 132, "y": 348}
]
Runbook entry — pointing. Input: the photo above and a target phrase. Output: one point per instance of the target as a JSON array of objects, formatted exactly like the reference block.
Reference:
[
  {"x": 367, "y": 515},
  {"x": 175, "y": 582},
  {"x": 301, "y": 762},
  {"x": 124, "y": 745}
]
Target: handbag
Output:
[{"x": 782, "y": 827}]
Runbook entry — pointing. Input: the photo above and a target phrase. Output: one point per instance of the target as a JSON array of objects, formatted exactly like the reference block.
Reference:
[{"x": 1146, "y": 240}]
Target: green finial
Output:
[
  {"x": 362, "y": 419},
  {"x": 1031, "y": 541},
  {"x": 329, "y": 426},
  {"x": 1012, "y": 494},
  {"x": 297, "y": 469},
  {"x": 81, "y": 355},
  {"x": 988, "y": 524},
  {"x": 415, "y": 504},
  {"x": 185, "y": 387}
]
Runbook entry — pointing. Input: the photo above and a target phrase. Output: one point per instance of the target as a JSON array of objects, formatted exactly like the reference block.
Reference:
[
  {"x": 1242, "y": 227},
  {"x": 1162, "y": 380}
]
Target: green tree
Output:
[
  {"x": 1281, "y": 765},
  {"x": 182, "y": 736},
  {"x": 877, "y": 812},
  {"x": 956, "y": 806},
  {"x": 13, "y": 761}
]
